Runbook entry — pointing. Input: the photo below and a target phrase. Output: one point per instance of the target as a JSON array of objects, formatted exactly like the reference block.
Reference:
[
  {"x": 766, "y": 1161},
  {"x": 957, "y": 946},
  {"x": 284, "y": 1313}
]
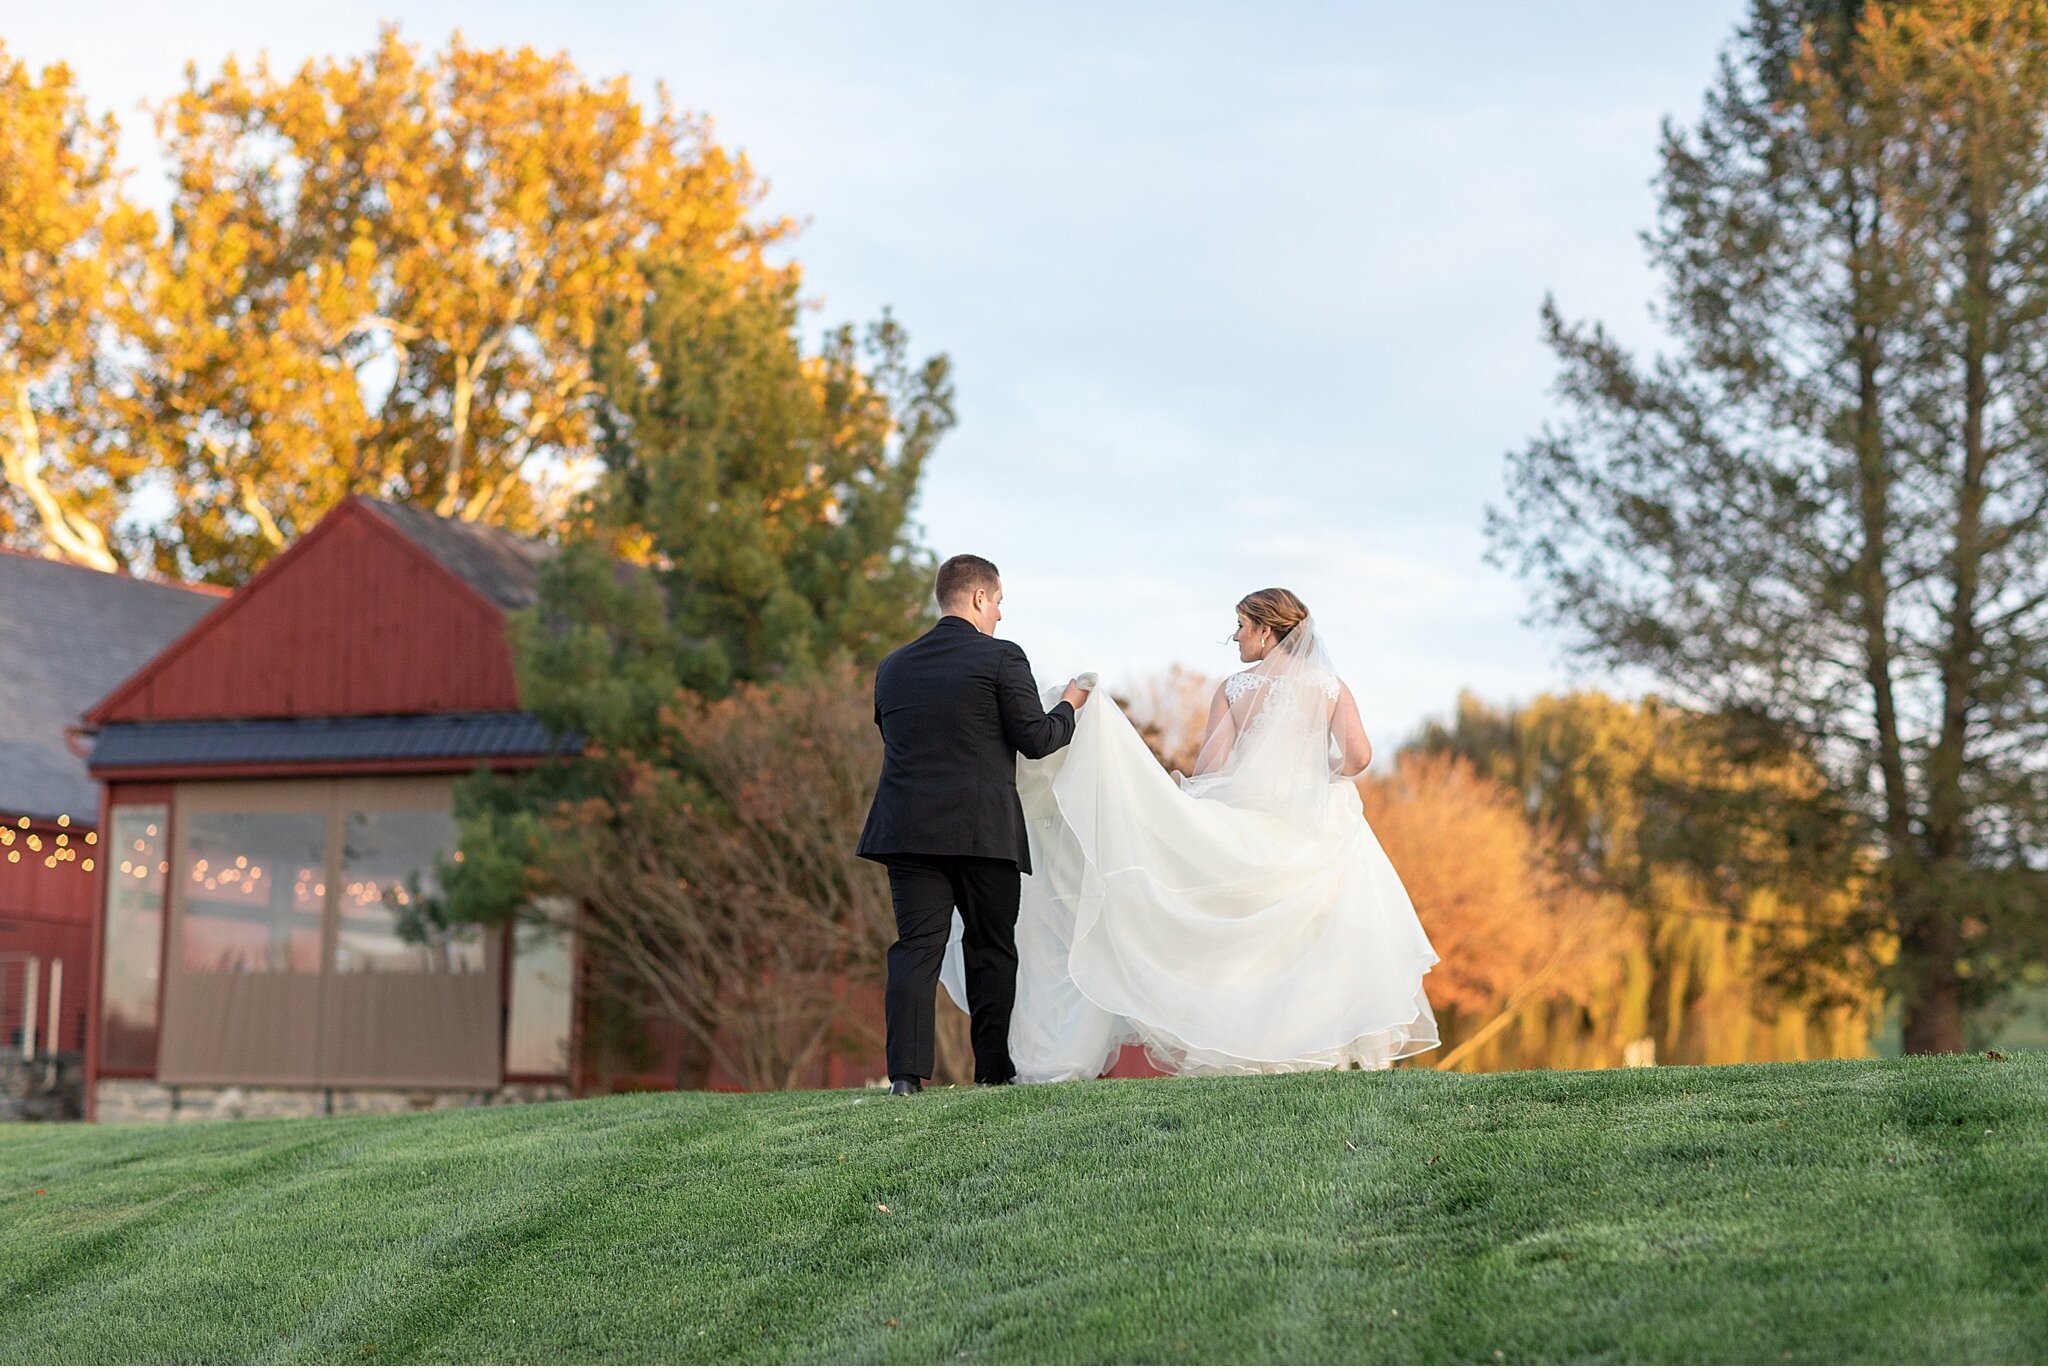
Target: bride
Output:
[{"x": 1239, "y": 920}]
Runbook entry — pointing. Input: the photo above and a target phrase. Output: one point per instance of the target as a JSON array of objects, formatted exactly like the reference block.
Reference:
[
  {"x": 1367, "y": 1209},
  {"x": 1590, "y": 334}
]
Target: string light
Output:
[{"x": 57, "y": 852}]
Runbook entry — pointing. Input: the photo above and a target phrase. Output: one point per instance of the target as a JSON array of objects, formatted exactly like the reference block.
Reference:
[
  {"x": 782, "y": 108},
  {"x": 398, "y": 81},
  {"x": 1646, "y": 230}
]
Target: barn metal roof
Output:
[
  {"x": 310, "y": 741},
  {"x": 69, "y": 634}
]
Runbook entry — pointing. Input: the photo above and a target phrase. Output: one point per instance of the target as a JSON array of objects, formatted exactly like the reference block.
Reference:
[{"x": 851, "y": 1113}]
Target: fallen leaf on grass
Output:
[
  {"x": 1432, "y": 1159},
  {"x": 1347, "y": 1146},
  {"x": 1994, "y": 1054},
  {"x": 881, "y": 1207},
  {"x": 892, "y": 1322}
]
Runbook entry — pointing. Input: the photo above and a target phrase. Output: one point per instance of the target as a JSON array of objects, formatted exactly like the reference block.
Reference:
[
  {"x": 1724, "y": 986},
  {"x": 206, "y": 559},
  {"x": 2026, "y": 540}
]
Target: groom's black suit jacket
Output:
[{"x": 956, "y": 708}]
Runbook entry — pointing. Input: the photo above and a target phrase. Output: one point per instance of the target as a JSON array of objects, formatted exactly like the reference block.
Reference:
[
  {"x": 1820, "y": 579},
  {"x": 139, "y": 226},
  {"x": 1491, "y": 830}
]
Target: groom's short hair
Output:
[{"x": 961, "y": 575}]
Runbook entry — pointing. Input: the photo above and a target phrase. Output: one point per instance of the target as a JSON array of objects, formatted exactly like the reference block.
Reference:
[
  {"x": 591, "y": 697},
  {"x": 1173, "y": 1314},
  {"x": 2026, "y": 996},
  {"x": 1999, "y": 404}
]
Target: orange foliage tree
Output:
[
  {"x": 1521, "y": 941},
  {"x": 386, "y": 274},
  {"x": 70, "y": 252}
]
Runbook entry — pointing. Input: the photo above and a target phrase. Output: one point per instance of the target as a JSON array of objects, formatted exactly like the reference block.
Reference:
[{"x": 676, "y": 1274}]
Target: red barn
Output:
[
  {"x": 276, "y": 795},
  {"x": 67, "y": 636}
]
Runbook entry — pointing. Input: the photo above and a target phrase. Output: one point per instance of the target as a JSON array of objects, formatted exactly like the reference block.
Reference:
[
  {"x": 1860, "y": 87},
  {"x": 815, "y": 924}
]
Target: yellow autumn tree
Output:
[
  {"x": 1746, "y": 931},
  {"x": 386, "y": 273},
  {"x": 70, "y": 247}
]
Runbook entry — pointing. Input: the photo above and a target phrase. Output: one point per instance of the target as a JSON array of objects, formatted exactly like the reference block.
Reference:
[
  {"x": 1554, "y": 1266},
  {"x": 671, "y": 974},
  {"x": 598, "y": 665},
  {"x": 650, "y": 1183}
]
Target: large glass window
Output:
[
  {"x": 335, "y": 879},
  {"x": 131, "y": 960},
  {"x": 388, "y": 858},
  {"x": 253, "y": 887},
  {"x": 537, "y": 1020}
]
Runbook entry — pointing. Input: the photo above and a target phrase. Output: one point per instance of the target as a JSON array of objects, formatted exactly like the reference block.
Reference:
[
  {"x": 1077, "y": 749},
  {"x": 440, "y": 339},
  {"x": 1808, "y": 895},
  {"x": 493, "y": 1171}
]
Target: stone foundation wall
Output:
[
  {"x": 145, "y": 1100},
  {"x": 49, "y": 1089}
]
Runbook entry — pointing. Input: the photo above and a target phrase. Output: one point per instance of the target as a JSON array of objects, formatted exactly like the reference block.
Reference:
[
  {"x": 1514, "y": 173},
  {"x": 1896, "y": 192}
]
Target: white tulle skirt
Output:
[{"x": 1223, "y": 939}]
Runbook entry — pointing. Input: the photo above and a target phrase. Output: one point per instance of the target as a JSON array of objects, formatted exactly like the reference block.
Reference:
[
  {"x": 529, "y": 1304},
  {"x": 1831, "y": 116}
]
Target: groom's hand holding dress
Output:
[{"x": 956, "y": 708}]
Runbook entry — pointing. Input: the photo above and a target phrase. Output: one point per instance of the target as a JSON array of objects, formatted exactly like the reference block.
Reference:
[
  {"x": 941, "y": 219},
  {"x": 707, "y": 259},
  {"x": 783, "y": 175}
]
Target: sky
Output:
[{"x": 1236, "y": 295}]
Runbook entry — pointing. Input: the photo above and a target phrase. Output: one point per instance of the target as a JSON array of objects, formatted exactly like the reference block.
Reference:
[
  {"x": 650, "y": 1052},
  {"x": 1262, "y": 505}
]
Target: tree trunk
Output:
[
  {"x": 1933, "y": 1011},
  {"x": 1933, "y": 1024},
  {"x": 450, "y": 503},
  {"x": 1931, "y": 1019},
  {"x": 69, "y": 535}
]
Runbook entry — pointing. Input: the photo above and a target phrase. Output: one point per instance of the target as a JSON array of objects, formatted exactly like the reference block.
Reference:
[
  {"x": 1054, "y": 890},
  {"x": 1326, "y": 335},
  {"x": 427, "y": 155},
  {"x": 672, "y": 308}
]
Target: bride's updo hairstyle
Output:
[{"x": 1280, "y": 611}]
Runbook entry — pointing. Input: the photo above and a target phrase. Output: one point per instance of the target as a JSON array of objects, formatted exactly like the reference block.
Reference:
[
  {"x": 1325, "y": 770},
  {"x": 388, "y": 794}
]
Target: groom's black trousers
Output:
[{"x": 925, "y": 890}]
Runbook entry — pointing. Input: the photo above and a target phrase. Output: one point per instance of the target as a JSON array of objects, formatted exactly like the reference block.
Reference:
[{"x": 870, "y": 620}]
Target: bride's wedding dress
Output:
[{"x": 1240, "y": 920}]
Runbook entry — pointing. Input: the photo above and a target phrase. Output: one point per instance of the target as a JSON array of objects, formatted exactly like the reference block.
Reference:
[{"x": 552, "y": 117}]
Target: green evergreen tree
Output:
[{"x": 1824, "y": 505}]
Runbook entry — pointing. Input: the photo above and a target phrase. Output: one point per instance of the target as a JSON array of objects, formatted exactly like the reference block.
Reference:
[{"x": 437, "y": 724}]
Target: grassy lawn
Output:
[{"x": 1882, "y": 1210}]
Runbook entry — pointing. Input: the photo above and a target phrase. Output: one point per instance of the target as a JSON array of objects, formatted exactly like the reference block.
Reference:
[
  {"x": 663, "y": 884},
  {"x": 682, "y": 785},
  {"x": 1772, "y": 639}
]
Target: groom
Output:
[{"x": 956, "y": 708}]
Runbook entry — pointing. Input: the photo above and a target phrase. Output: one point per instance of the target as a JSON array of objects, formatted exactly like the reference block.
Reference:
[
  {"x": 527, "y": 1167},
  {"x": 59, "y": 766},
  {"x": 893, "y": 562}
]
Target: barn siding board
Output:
[{"x": 416, "y": 639}]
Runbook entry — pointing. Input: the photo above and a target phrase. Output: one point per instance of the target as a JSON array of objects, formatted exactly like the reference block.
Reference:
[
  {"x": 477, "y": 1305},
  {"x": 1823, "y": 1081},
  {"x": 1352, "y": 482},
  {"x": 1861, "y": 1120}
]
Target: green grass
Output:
[{"x": 1883, "y": 1210}]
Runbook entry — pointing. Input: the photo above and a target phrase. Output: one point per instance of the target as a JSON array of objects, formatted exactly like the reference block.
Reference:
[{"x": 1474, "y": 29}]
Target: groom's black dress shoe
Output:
[
  {"x": 903, "y": 1085},
  {"x": 993, "y": 1083}
]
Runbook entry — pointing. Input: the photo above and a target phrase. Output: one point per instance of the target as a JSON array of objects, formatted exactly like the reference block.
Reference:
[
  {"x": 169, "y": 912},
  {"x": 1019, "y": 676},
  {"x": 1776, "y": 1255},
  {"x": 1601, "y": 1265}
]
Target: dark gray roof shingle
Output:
[
  {"x": 68, "y": 635},
  {"x": 500, "y": 565},
  {"x": 457, "y": 737}
]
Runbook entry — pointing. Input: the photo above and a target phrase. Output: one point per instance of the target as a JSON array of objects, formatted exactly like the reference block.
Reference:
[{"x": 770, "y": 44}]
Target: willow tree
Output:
[
  {"x": 70, "y": 247},
  {"x": 1824, "y": 504},
  {"x": 385, "y": 273}
]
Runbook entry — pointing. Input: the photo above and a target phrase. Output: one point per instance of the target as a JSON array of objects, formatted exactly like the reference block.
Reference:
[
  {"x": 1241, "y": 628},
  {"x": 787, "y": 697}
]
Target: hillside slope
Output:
[{"x": 1893, "y": 1211}]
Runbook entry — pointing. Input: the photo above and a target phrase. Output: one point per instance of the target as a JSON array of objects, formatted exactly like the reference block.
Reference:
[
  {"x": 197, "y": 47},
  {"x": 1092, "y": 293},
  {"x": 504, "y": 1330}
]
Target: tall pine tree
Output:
[{"x": 1824, "y": 504}]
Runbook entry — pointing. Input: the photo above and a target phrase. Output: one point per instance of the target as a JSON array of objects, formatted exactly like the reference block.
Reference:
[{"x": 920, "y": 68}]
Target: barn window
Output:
[
  {"x": 537, "y": 1019},
  {"x": 388, "y": 859},
  {"x": 253, "y": 887},
  {"x": 132, "y": 954},
  {"x": 331, "y": 978}
]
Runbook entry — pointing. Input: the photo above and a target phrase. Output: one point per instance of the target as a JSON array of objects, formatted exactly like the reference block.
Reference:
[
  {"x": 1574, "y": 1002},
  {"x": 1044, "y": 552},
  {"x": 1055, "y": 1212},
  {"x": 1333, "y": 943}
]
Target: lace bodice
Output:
[{"x": 1245, "y": 681}]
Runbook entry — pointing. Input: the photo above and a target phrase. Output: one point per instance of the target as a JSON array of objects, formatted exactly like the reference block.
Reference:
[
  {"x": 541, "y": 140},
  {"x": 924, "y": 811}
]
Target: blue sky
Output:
[{"x": 1236, "y": 294}]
